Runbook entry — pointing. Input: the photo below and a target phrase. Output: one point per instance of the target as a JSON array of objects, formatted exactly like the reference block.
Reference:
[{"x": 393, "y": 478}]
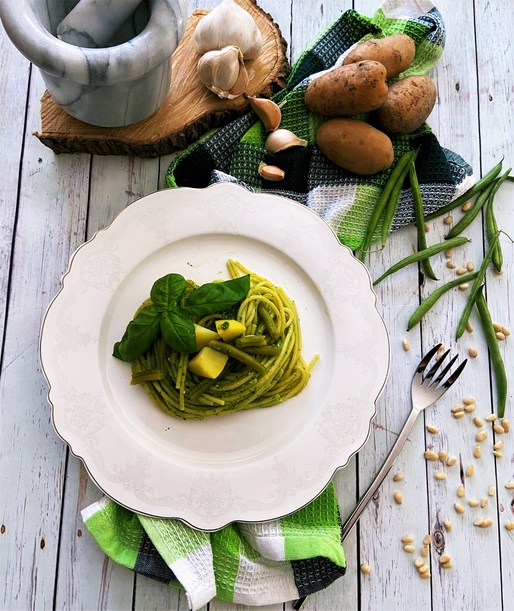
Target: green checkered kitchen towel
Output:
[
  {"x": 249, "y": 564},
  {"x": 341, "y": 198}
]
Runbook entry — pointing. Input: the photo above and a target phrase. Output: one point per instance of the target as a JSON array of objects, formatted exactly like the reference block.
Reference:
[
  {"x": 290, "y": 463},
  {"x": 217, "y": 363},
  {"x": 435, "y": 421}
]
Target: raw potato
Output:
[
  {"x": 395, "y": 52},
  {"x": 407, "y": 107},
  {"x": 355, "y": 146},
  {"x": 347, "y": 91}
]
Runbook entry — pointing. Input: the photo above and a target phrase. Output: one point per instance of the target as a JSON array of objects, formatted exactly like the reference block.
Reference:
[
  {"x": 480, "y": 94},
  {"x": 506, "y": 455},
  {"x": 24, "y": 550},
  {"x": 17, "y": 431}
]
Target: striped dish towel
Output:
[
  {"x": 343, "y": 199},
  {"x": 249, "y": 564}
]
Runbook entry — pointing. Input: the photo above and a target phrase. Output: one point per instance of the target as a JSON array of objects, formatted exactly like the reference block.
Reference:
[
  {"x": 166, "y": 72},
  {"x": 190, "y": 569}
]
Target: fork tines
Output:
[{"x": 428, "y": 377}]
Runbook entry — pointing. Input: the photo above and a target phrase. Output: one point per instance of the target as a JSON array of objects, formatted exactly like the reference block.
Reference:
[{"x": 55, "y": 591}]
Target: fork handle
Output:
[{"x": 381, "y": 475}]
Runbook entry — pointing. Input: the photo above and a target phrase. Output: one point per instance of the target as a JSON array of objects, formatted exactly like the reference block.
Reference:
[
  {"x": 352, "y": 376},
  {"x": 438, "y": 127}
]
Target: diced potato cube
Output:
[
  {"x": 204, "y": 336},
  {"x": 208, "y": 363},
  {"x": 229, "y": 329}
]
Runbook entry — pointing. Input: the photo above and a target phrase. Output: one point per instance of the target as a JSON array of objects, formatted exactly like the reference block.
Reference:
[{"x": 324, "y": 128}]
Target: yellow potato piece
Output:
[
  {"x": 208, "y": 363},
  {"x": 204, "y": 336},
  {"x": 229, "y": 329}
]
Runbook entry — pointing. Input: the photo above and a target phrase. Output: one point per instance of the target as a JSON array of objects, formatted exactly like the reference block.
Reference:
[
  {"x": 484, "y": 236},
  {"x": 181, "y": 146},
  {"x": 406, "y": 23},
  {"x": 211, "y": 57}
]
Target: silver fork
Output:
[{"x": 425, "y": 391}]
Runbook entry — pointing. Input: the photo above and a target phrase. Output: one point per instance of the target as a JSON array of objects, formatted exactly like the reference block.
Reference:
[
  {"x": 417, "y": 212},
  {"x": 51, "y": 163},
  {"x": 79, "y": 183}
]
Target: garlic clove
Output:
[
  {"x": 282, "y": 139},
  {"x": 228, "y": 24},
  {"x": 223, "y": 72},
  {"x": 270, "y": 172},
  {"x": 267, "y": 111}
]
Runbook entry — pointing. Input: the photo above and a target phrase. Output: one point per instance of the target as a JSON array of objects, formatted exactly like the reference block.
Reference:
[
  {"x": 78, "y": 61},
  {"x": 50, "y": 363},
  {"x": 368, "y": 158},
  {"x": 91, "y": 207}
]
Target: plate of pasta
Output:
[{"x": 214, "y": 356}]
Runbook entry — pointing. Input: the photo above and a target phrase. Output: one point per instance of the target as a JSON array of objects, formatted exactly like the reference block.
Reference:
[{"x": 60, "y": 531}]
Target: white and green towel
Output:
[{"x": 250, "y": 564}]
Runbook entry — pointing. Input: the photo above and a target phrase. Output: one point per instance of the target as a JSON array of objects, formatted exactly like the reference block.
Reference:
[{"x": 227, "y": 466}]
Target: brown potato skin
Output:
[
  {"x": 355, "y": 146},
  {"x": 347, "y": 91},
  {"x": 396, "y": 53},
  {"x": 407, "y": 107}
]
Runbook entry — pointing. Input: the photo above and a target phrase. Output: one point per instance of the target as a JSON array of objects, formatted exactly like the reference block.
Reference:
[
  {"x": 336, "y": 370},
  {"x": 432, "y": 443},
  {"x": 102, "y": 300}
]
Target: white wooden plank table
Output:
[{"x": 49, "y": 205}]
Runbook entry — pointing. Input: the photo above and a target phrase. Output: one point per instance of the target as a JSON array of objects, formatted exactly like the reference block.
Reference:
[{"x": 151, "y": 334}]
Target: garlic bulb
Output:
[
  {"x": 223, "y": 72},
  {"x": 228, "y": 24}
]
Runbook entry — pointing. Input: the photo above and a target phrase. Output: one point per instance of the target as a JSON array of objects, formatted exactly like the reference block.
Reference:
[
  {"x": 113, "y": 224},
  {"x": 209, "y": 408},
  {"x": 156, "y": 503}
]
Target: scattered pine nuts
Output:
[
  {"x": 473, "y": 503},
  {"x": 498, "y": 445},
  {"x": 426, "y": 575},
  {"x": 410, "y": 549},
  {"x": 466, "y": 206},
  {"x": 424, "y": 551},
  {"x": 448, "y": 526},
  {"x": 406, "y": 345},
  {"x": 440, "y": 475},
  {"x": 398, "y": 497},
  {"x": 506, "y": 425},
  {"x": 432, "y": 429},
  {"x": 408, "y": 539},
  {"x": 461, "y": 492},
  {"x": 464, "y": 287},
  {"x": 483, "y": 502},
  {"x": 469, "y": 327},
  {"x": 448, "y": 220},
  {"x": 459, "y": 414},
  {"x": 448, "y": 565},
  {"x": 491, "y": 491},
  {"x": 451, "y": 461},
  {"x": 469, "y": 400},
  {"x": 469, "y": 409},
  {"x": 431, "y": 455},
  {"x": 478, "y": 422},
  {"x": 366, "y": 569},
  {"x": 473, "y": 353},
  {"x": 470, "y": 266},
  {"x": 486, "y": 523},
  {"x": 470, "y": 471},
  {"x": 442, "y": 455},
  {"x": 423, "y": 570},
  {"x": 398, "y": 477},
  {"x": 510, "y": 486},
  {"x": 497, "y": 327},
  {"x": 509, "y": 526},
  {"x": 427, "y": 227},
  {"x": 459, "y": 508},
  {"x": 427, "y": 539},
  {"x": 491, "y": 417},
  {"x": 481, "y": 435},
  {"x": 457, "y": 409},
  {"x": 478, "y": 522},
  {"x": 450, "y": 265},
  {"x": 506, "y": 331},
  {"x": 477, "y": 452},
  {"x": 419, "y": 562},
  {"x": 444, "y": 558},
  {"x": 498, "y": 272},
  {"x": 498, "y": 429},
  {"x": 461, "y": 271},
  {"x": 497, "y": 453},
  {"x": 448, "y": 253},
  {"x": 500, "y": 336}
]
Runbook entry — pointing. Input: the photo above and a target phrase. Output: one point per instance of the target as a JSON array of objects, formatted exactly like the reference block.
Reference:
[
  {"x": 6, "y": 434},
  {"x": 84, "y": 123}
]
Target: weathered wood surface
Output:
[{"x": 49, "y": 205}]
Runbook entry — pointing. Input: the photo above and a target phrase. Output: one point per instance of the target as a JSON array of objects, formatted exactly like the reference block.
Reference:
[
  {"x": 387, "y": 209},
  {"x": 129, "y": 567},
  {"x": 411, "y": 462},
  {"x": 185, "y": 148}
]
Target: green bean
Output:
[
  {"x": 237, "y": 354},
  {"x": 494, "y": 352},
  {"x": 146, "y": 376},
  {"x": 382, "y": 202},
  {"x": 267, "y": 319},
  {"x": 250, "y": 340},
  {"x": 470, "y": 216},
  {"x": 427, "y": 303},
  {"x": 269, "y": 350},
  {"x": 482, "y": 184},
  {"x": 491, "y": 227},
  {"x": 197, "y": 391},
  {"x": 420, "y": 221},
  {"x": 422, "y": 254},
  {"x": 394, "y": 198},
  {"x": 474, "y": 289}
]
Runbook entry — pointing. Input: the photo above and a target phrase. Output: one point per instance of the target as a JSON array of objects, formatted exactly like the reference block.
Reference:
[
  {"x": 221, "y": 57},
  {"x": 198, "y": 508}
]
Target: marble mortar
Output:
[{"x": 119, "y": 84}]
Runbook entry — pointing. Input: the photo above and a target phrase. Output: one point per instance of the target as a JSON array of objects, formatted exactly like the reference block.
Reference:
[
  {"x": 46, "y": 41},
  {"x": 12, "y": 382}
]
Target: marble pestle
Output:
[{"x": 92, "y": 23}]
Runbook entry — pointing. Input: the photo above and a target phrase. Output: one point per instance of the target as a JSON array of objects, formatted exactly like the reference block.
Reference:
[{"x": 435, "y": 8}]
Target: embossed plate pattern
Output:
[{"x": 251, "y": 466}]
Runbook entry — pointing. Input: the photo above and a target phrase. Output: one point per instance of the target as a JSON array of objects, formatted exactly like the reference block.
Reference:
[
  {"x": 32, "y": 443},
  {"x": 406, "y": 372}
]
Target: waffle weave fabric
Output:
[{"x": 343, "y": 199}]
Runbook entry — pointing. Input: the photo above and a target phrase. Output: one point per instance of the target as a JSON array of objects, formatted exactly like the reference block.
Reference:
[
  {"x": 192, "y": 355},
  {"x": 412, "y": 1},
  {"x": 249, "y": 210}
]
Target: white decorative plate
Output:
[{"x": 251, "y": 466}]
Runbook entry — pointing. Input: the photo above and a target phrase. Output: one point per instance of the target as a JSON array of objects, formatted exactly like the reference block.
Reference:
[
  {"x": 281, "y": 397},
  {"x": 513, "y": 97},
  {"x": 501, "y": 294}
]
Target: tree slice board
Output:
[{"x": 188, "y": 111}]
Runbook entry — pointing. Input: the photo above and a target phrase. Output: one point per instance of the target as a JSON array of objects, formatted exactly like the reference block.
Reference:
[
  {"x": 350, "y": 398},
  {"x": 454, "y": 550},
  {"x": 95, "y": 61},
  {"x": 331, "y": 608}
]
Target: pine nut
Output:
[
  {"x": 491, "y": 491},
  {"x": 499, "y": 445},
  {"x": 481, "y": 436},
  {"x": 406, "y": 345},
  {"x": 510, "y": 486},
  {"x": 366, "y": 569},
  {"x": 469, "y": 327},
  {"x": 469, "y": 400},
  {"x": 459, "y": 415},
  {"x": 470, "y": 266},
  {"x": 442, "y": 455},
  {"x": 466, "y": 206},
  {"x": 444, "y": 558},
  {"x": 461, "y": 271},
  {"x": 498, "y": 429},
  {"x": 491, "y": 417},
  {"x": 398, "y": 497},
  {"x": 427, "y": 228},
  {"x": 459, "y": 508},
  {"x": 477, "y": 452},
  {"x": 419, "y": 562},
  {"x": 427, "y": 539},
  {"x": 506, "y": 331},
  {"x": 470, "y": 471},
  {"x": 469, "y": 409},
  {"x": 457, "y": 409},
  {"x": 408, "y": 539},
  {"x": 473, "y": 503},
  {"x": 432, "y": 429},
  {"x": 483, "y": 502},
  {"x": 498, "y": 272},
  {"x": 461, "y": 491},
  {"x": 506, "y": 425},
  {"x": 464, "y": 287},
  {"x": 448, "y": 220},
  {"x": 448, "y": 526},
  {"x": 423, "y": 570},
  {"x": 473, "y": 353},
  {"x": 448, "y": 253},
  {"x": 500, "y": 336},
  {"x": 478, "y": 422},
  {"x": 448, "y": 565},
  {"x": 450, "y": 265},
  {"x": 478, "y": 522},
  {"x": 497, "y": 326},
  {"x": 440, "y": 475},
  {"x": 398, "y": 477},
  {"x": 424, "y": 551},
  {"x": 410, "y": 549},
  {"x": 451, "y": 461},
  {"x": 509, "y": 526},
  {"x": 431, "y": 455},
  {"x": 497, "y": 453},
  {"x": 486, "y": 523},
  {"x": 426, "y": 575}
]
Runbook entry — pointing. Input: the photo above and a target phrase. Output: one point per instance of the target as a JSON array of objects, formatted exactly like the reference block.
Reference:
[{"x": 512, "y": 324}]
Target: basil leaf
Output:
[
  {"x": 216, "y": 296},
  {"x": 178, "y": 330},
  {"x": 140, "y": 334},
  {"x": 167, "y": 291}
]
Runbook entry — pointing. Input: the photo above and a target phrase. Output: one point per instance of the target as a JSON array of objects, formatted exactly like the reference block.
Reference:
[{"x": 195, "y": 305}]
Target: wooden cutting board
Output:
[{"x": 188, "y": 111}]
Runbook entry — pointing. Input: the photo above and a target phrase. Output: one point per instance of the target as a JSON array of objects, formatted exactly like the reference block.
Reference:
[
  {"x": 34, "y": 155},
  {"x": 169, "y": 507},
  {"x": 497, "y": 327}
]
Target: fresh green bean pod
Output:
[
  {"x": 267, "y": 319},
  {"x": 494, "y": 352},
  {"x": 420, "y": 221},
  {"x": 250, "y": 340},
  {"x": 421, "y": 255},
  {"x": 482, "y": 184},
  {"x": 472, "y": 213},
  {"x": 382, "y": 202},
  {"x": 237, "y": 354},
  {"x": 145, "y": 376},
  {"x": 491, "y": 227},
  {"x": 429, "y": 302},
  {"x": 269, "y": 350},
  {"x": 461, "y": 327}
]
